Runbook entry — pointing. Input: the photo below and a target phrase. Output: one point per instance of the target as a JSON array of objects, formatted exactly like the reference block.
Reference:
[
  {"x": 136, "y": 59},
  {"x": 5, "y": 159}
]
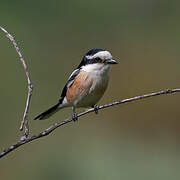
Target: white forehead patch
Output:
[{"x": 102, "y": 54}]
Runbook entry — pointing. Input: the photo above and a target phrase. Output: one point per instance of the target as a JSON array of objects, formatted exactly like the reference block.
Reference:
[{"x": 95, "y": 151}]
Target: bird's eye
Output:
[{"x": 98, "y": 59}]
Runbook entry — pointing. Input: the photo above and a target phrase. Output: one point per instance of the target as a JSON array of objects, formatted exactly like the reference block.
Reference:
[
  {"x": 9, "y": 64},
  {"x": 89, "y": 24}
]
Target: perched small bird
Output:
[{"x": 86, "y": 85}]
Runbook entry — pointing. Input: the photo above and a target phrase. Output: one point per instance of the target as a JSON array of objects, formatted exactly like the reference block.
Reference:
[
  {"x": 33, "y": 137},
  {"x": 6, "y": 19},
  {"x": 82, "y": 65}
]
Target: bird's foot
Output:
[
  {"x": 74, "y": 117},
  {"x": 96, "y": 108}
]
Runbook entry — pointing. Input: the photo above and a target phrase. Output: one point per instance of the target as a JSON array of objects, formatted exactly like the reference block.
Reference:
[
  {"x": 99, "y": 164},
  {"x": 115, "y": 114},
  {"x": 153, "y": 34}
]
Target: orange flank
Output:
[{"x": 79, "y": 87}]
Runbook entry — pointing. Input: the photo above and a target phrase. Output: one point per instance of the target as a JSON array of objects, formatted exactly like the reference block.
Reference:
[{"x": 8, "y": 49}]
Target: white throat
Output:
[{"x": 99, "y": 68}]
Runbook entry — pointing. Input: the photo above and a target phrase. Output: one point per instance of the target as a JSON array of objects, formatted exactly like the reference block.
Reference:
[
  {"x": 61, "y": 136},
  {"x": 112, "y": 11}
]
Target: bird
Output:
[{"x": 86, "y": 85}]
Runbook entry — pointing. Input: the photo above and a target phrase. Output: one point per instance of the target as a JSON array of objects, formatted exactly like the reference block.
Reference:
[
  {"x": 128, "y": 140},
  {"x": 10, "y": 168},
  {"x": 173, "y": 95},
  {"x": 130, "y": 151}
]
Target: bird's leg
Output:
[
  {"x": 74, "y": 115},
  {"x": 96, "y": 108}
]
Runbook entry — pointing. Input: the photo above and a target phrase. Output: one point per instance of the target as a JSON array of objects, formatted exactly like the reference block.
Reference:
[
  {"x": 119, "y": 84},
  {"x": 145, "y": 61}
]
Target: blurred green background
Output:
[{"x": 140, "y": 140}]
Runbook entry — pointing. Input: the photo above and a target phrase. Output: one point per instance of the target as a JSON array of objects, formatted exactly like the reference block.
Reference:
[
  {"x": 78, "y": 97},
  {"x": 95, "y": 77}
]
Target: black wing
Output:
[{"x": 69, "y": 83}]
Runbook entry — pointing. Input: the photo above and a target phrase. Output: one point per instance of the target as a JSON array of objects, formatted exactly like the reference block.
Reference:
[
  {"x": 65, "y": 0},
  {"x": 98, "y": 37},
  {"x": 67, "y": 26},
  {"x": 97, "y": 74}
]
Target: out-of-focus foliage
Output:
[{"x": 139, "y": 140}]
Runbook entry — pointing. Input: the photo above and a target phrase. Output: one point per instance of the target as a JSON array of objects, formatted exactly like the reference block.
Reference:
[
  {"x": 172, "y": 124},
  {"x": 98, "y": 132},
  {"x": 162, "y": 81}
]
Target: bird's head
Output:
[{"x": 97, "y": 56}]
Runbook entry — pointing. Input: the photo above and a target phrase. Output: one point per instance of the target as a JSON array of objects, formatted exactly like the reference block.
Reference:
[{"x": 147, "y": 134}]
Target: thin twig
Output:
[
  {"x": 58, "y": 124},
  {"x": 24, "y": 122}
]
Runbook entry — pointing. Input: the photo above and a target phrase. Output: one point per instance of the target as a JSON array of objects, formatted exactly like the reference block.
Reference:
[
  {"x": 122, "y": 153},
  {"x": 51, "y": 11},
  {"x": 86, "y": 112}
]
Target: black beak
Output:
[{"x": 111, "y": 61}]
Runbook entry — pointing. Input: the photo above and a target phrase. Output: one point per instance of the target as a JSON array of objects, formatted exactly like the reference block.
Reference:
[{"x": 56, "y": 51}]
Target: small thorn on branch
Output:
[{"x": 21, "y": 126}]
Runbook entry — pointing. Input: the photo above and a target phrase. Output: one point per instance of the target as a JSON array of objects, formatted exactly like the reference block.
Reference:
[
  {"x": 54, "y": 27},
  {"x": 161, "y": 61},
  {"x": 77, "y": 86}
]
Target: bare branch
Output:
[
  {"x": 58, "y": 124},
  {"x": 24, "y": 122}
]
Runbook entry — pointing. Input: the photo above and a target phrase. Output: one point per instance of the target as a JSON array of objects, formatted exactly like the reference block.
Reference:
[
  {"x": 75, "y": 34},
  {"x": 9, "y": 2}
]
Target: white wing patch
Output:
[{"x": 72, "y": 76}]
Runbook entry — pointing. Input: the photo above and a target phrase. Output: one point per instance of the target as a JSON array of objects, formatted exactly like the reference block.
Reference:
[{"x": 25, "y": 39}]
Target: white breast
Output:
[{"x": 98, "y": 73}]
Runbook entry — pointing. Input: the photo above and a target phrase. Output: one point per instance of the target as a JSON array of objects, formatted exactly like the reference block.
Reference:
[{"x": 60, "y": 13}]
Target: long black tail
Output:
[{"x": 48, "y": 112}]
